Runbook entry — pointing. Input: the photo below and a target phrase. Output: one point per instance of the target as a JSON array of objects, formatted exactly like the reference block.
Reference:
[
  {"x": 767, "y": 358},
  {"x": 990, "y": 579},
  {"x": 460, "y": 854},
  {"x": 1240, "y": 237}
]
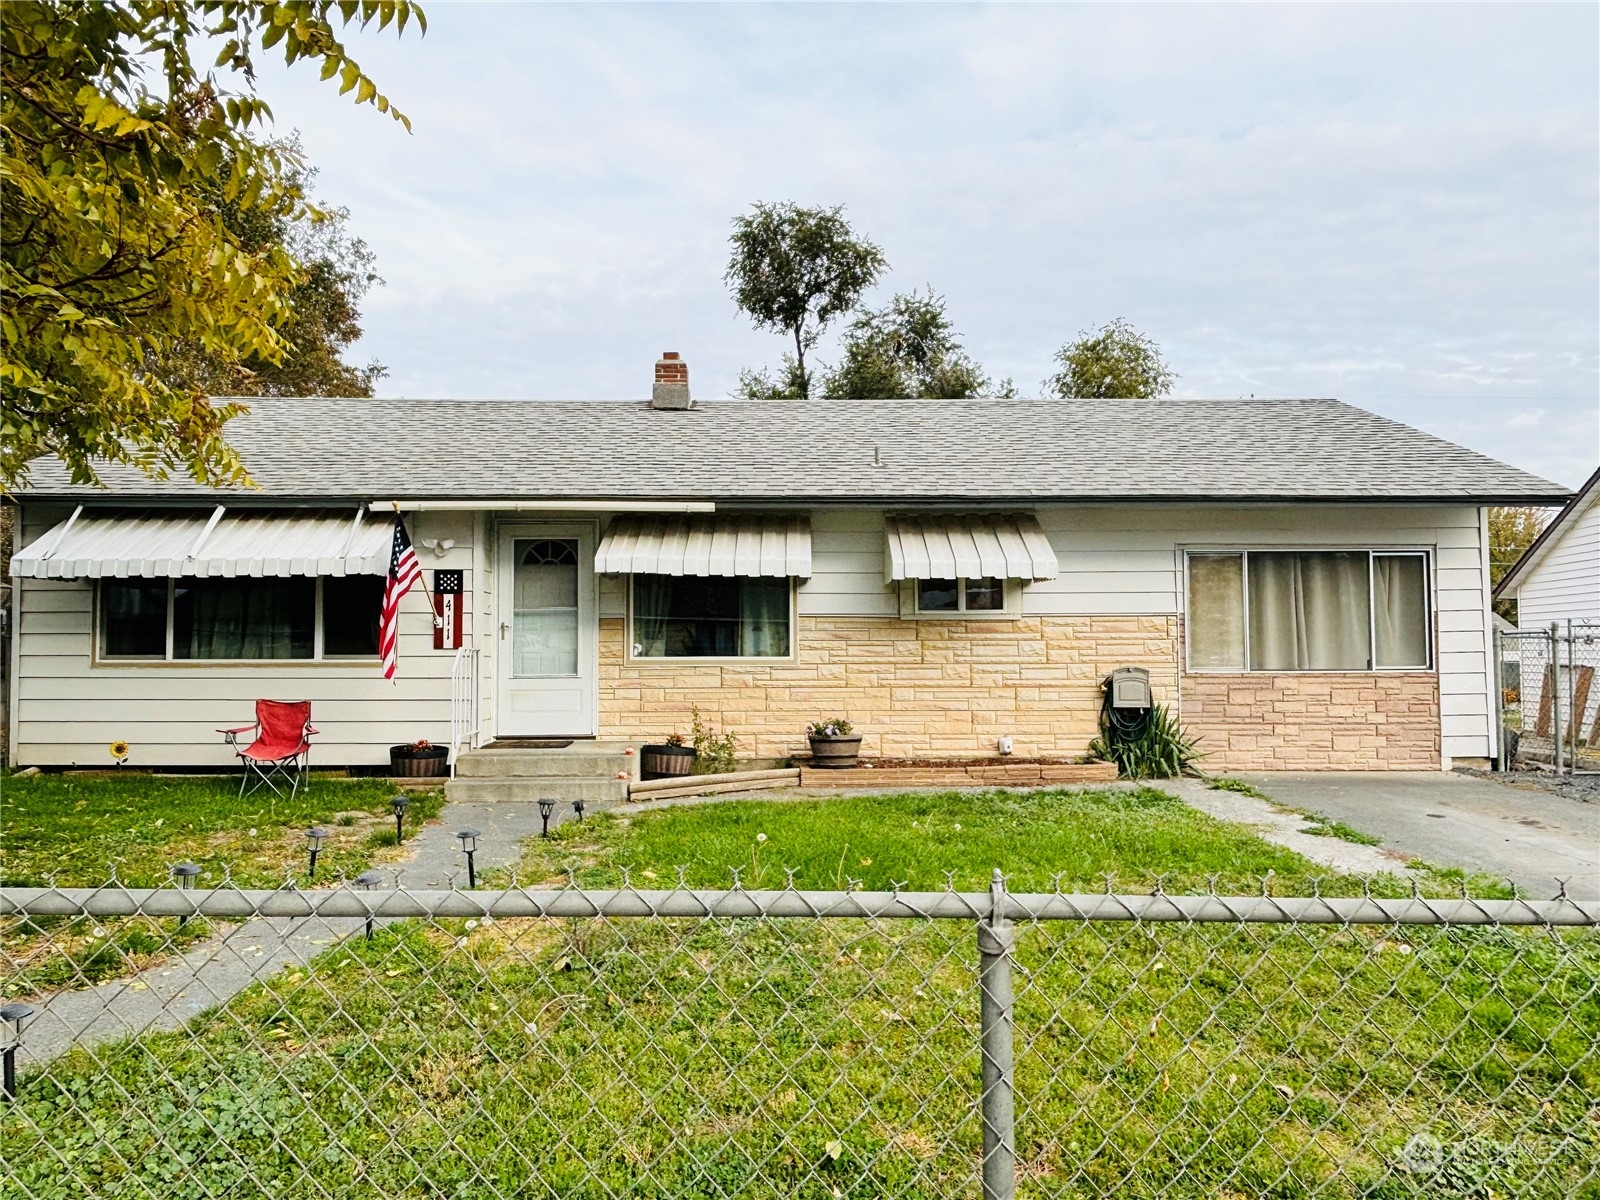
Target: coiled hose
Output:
[{"x": 1121, "y": 725}]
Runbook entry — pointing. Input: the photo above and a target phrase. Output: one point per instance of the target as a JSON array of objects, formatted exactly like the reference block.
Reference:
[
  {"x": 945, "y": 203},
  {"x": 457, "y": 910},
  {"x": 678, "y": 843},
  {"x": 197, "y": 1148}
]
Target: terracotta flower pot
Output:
[
  {"x": 836, "y": 751},
  {"x": 663, "y": 762}
]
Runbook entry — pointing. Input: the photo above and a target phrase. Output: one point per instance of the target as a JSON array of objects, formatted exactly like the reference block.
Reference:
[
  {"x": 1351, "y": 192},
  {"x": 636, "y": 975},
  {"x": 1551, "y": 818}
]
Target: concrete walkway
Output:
[
  {"x": 1276, "y": 824},
  {"x": 216, "y": 970},
  {"x": 1530, "y": 837}
]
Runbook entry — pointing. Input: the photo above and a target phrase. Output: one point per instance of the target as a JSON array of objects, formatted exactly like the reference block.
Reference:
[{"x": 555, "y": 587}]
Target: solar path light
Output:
[
  {"x": 315, "y": 836},
  {"x": 546, "y": 807},
  {"x": 185, "y": 874},
  {"x": 577, "y": 807},
  {"x": 366, "y": 881},
  {"x": 469, "y": 847},
  {"x": 12, "y": 1015},
  {"x": 399, "y": 802}
]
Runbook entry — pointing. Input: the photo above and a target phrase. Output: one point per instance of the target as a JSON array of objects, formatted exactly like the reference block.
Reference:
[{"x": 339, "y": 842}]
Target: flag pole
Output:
[{"x": 422, "y": 576}]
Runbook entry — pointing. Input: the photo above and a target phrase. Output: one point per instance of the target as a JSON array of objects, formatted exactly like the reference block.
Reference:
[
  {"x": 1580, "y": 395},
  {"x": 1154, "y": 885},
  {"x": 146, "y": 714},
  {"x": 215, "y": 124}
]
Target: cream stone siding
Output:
[
  {"x": 1314, "y": 722},
  {"x": 946, "y": 688}
]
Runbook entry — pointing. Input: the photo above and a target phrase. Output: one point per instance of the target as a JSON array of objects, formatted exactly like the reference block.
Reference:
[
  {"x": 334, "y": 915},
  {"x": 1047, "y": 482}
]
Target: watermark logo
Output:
[{"x": 1423, "y": 1154}]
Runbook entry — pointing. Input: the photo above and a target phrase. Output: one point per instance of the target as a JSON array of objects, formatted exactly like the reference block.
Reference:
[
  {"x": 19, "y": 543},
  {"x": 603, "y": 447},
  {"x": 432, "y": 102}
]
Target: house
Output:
[
  {"x": 1556, "y": 583},
  {"x": 1558, "y": 576},
  {"x": 1306, "y": 582}
]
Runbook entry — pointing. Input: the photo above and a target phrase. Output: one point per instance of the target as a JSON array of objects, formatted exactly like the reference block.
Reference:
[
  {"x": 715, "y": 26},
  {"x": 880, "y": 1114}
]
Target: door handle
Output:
[{"x": 503, "y": 629}]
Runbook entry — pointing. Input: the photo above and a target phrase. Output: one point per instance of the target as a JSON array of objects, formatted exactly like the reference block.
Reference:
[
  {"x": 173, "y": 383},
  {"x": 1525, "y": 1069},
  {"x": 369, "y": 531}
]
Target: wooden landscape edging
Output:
[{"x": 956, "y": 774}]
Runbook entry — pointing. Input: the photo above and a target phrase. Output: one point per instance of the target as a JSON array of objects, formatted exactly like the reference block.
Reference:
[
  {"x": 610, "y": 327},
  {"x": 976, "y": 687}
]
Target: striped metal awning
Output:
[
  {"x": 162, "y": 545},
  {"x": 976, "y": 546},
  {"x": 712, "y": 544}
]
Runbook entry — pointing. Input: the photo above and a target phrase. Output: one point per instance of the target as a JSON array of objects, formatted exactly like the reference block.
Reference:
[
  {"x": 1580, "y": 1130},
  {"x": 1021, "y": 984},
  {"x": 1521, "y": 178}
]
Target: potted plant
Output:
[
  {"x": 666, "y": 759},
  {"x": 834, "y": 743},
  {"x": 420, "y": 759}
]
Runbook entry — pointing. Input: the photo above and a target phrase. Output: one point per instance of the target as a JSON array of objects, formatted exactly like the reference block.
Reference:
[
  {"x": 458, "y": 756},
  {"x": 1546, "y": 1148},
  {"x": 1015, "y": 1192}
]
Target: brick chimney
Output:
[{"x": 671, "y": 390}]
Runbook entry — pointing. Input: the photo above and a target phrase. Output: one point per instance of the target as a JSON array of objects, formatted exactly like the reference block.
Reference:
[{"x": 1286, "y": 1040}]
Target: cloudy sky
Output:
[{"x": 1395, "y": 205}]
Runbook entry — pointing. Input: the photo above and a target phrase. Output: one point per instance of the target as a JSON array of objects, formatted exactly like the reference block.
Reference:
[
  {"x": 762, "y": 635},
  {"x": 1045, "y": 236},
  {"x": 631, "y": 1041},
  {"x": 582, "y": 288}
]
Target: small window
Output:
[
  {"x": 351, "y": 606},
  {"x": 691, "y": 616},
  {"x": 953, "y": 597},
  {"x": 133, "y": 618}
]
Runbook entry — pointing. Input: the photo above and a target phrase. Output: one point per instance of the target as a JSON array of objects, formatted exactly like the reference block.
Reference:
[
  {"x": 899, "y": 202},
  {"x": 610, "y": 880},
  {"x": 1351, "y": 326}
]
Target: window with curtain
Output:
[
  {"x": 239, "y": 619},
  {"x": 1320, "y": 610},
  {"x": 692, "y": 616},
  {"x": 244, "y": 618}
]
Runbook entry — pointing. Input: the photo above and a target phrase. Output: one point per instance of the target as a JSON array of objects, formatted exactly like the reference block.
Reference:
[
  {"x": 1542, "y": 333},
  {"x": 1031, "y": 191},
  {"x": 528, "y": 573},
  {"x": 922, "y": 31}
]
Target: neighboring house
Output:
[
  {"x": 1557, "y": 582},
  {"x": 1558, "y": 576},
  {"x": 1306, "y": 582}
]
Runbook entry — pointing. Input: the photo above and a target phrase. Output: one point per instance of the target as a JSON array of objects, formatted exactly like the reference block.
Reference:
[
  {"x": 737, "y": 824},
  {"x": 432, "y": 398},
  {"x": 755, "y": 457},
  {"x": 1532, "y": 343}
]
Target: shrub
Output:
[
  {"x": 1163, "y": 750},
  {"x": 714, "y": 752}
]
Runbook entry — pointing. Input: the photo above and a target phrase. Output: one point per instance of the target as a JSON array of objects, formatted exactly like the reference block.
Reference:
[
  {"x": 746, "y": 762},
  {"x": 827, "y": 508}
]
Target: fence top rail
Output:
[{"x": 238, "y": 903}]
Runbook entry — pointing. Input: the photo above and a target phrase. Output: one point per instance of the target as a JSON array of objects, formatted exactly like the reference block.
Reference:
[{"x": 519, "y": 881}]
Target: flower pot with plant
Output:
[
  {"x": 420, "y": 759},
  {"x": 834, "y": 743},
  {"x": 666, "y": 759}
]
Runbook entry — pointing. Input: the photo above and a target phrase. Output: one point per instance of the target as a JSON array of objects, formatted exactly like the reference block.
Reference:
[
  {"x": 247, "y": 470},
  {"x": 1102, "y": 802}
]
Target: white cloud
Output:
[{"x": 1394, "y": 204}]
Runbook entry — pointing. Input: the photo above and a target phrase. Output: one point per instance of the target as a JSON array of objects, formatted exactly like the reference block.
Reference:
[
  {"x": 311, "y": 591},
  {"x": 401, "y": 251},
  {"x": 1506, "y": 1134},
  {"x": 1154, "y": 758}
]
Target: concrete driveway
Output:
[{"x": 1529, "y": 836}]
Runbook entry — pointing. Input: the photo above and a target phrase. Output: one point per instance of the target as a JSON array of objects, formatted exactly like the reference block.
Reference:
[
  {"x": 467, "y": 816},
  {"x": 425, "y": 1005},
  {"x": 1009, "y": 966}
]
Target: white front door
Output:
[{"x": 547, "y": 632}]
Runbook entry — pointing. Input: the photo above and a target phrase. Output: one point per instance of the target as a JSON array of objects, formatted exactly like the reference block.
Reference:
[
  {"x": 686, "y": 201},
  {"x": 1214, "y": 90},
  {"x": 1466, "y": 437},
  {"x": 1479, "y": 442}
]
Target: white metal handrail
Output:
[{"x": 464, "y": 723}]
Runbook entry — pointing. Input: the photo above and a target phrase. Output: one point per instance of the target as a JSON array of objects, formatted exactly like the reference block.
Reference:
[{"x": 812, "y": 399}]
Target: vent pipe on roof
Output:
[{"x": 671, "y": 390}]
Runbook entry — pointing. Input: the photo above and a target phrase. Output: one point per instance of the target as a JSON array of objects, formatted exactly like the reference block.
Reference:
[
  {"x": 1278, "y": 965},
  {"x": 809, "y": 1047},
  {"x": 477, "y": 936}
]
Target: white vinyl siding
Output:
[
  {"x": 1565, "y": 583},
  {"x": 68, "y": 708}
]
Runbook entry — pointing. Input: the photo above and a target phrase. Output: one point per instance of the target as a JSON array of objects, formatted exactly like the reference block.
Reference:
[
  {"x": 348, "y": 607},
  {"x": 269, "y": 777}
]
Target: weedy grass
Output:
[
  {"x": 74, "y": 830},
  {"x": 765, "y": 1059}
]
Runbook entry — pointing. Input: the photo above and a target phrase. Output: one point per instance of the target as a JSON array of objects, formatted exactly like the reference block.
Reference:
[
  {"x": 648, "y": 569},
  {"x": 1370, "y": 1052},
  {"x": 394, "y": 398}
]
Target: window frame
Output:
[
  {"x": 1010, "y": 609},
  {"x": 632, "y": 659},
  {"x": 1430, "y": 586},
  {"x": 318, "y": 656}
]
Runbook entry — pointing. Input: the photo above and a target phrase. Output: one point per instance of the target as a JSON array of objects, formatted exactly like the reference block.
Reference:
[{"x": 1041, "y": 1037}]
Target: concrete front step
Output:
[
  {"x": 595, "y": 760},
  {"x": 596, "y": 793}
]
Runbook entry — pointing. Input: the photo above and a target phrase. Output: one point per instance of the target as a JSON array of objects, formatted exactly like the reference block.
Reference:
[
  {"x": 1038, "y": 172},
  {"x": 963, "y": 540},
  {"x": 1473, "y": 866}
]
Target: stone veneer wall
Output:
[
  {"x": 931, "y": 687},
  {"x": 1314, "y": 722}
]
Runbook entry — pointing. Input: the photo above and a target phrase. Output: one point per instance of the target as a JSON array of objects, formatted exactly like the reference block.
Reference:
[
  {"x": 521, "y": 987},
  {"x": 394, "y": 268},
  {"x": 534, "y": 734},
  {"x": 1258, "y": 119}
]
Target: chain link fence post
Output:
[
  {"x": 1555, "y": 695},
  {"x": 996, "y": 937}
]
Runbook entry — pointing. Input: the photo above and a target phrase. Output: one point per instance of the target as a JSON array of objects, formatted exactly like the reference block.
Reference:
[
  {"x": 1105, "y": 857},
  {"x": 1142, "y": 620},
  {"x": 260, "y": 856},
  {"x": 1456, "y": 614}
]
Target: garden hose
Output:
[{"x": 1121, "y": 725}]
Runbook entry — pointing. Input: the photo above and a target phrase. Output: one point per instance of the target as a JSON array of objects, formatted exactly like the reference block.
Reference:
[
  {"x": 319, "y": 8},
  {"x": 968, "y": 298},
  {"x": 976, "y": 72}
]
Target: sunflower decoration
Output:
[{"x": 119, "y": 751}]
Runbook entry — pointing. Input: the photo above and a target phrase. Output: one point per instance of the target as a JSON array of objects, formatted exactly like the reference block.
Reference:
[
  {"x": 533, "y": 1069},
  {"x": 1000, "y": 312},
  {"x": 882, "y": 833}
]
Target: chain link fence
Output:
[
  {"x": 1549, "y": 698},
  {"x": 685, "y": 1043}
]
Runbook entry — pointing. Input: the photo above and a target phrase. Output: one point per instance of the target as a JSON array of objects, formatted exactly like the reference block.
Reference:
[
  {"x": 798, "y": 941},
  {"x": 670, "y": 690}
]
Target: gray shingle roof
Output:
[{"x": 785, "y": 451}]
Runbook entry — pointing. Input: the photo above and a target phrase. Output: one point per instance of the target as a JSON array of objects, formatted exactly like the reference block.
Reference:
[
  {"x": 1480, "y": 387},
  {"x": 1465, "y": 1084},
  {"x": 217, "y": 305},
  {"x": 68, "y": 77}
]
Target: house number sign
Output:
[{"x": 447, "y": 608}]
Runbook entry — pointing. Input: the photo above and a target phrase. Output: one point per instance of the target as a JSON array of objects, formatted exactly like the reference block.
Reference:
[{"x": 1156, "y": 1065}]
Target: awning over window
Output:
[
  {"x": 216, "y": 543},
  {"x": 713, "y": 544},
  {"x": 957, "y": 546}
]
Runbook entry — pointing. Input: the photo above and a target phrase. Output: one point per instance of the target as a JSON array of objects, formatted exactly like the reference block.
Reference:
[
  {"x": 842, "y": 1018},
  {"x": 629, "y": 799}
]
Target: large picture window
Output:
[
  {"x": 693, "y": 616},
  {"x": 246, "y": 619},
  {"x": 1311, "y": 610}
]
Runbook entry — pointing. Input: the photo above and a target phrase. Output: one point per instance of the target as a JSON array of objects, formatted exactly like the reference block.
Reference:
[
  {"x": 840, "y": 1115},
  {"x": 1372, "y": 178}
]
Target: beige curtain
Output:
[
  {"x": 1309, "y": 612},
  {"x": 764, "y": 618},
  {"x": 1400, "y": 609},
  {"x": 1216, "y": 611}
]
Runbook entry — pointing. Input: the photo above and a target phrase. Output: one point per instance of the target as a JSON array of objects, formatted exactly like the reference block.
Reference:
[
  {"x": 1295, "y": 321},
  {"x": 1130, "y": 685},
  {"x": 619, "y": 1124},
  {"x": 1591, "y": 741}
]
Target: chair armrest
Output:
[
  {"x": 240, "y": 729},
  {"x": 310, "y": 729}
]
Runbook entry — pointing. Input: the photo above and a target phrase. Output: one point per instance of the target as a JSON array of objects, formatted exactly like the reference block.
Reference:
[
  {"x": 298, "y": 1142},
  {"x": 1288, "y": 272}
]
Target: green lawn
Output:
[
  {"x": 76, "y": 829},
  {"x": 688, "y": 1058}
]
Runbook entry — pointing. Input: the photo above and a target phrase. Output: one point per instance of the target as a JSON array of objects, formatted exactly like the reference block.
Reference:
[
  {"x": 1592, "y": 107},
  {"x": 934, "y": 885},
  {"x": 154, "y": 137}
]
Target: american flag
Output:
[{"x": 403, "y": 573}]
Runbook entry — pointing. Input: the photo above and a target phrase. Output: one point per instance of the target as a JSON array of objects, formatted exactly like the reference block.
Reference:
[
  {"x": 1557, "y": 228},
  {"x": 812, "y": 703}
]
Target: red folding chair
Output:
[{"x": 281, "y": 751}]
